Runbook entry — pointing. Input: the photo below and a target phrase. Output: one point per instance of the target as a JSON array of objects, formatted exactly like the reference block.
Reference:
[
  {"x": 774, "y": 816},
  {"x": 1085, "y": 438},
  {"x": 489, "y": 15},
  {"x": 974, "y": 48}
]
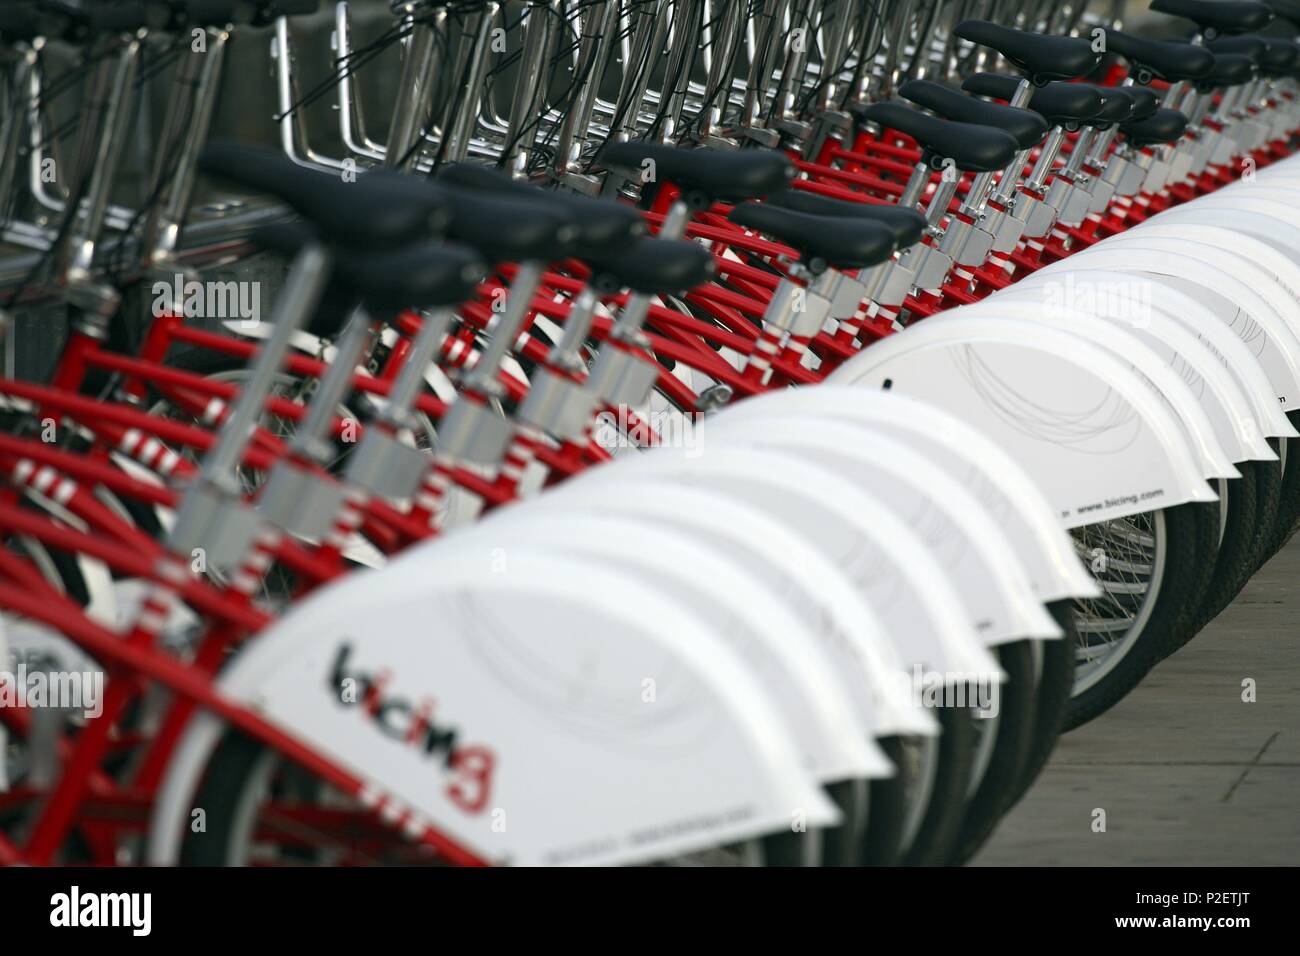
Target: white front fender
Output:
[
  {"x": 763, "y": 630},
  {"x": 1261, "y": 266},
  {"x": 787, "y": 565},
  {"x": 1099, "y": 443},
  {"x": 541, "y": 668},
  {"x": 1004, "y": 487},
  {"x": 978, "y": 557},
  {"x": 1161, "y": 304},
  {"x": 1208, "y": 415},
  {"x": 1248, "y": 216},
  {"x": 1236, "y": 303},
  {"x": 895, "y": 571}
]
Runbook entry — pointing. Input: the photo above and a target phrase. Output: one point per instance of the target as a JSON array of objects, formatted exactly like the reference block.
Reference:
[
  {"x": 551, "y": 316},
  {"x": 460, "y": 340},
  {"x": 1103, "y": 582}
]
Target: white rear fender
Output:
[
  {"x": 895, "y": 571},
  {"x": 1097, "y": 440},
  {"x": 982, "y": 466},
  {"x": 979, "y": 559},
  {"x": 760, "y": 628},
  {"x": 1262, "y": 267},
  {"x": 1162, "y": 303},
  {"x": 578, "y": 730},
  {"x": 1281, "y": 190},
  {"x": 1282, "y": 171},
  {"x": 1258, "y": 218},
  {"x": 1216, "y": 418},
  {"x": 786, "y": 565},
  {"x": 1236, "y": 303}
]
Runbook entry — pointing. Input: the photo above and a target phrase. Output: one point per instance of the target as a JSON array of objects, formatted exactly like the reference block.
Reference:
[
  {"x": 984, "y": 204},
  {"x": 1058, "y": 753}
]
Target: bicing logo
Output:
[{"x": 469, "y": 766}]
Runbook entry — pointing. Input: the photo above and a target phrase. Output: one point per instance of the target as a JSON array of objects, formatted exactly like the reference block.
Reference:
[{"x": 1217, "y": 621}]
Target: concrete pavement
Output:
[{"x": 1187, "y": 773}]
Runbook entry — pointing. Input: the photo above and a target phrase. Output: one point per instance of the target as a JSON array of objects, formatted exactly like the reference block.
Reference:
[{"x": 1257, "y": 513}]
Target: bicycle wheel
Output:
[
  {"x": 1016, "y": 735},
  {"x": 1234, "y": 562},
  {"x": 1288, "y": 511},
  {"x": 1151, "y": 567},
  {"x": 934, "y": 830},
  {"x": 1051, "y": 696},
  {"x": 882, "y": 841},
  {"x": 1268, "y": 506},
  {"x": 258, "y": 807}
]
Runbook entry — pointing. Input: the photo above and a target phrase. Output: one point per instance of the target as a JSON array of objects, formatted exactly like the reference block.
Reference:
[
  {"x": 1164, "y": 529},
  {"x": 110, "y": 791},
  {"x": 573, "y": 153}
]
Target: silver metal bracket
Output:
[
  {"x": 218, "y": 525},
  {"x": 933, "y": 267},
  {"x": 386, "y": 467},
  {"x": 1040, "y": 216},
  {"x": 797, "y": 310},
  {"x": 557, "y": 405},
  {"x": 621, "y": 378},
  {"x": 301, "y": 502},
  {"x": 844, "y": 292},
  {"x": 473, "y": 433},
  {"x": 1180, "y": 163},
  {"x": 1005, "y": 226},
  {"x": 1070, "y": 199},
  {"x": 965, "y": 243},
  {"x": 825, "y": 125}
]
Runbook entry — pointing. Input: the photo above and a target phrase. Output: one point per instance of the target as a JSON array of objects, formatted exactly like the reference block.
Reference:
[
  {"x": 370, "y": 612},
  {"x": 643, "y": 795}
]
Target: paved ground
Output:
[{"x": 1187, "y": 773}]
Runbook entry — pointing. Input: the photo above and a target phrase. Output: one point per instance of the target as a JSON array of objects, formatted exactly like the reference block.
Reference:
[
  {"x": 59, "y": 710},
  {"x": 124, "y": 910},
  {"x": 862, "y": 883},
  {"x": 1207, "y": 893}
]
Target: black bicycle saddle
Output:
[
  {"x": 1288, "y": 10},
  {"x": 1061, "y": 104},
  {"x": 1116, "y": 106},
  {"x": 652, "y": 267},
  {"x": 1040, "y": 56},
  {"x": 1163, "y": 126},
  {"x": 1027, "y": 126},
  {"x": 970, "y": 147},
  {"x": 1272, "y": 57},
  {"x": 1218, "y": 16},
  {"x": 1230, "y": 69},
  {"x": 602, "y": 224},
  {"x": 705, "y": 175},
  {"x": 1164, "y": 59},
  {"x": 421, "y": 275},
  {"x": 376, "y": 210},
  {"x": 1140, "y": 103},
  {"x": 907, "y": 225},
  {"x": 841, "y": 242},
  {"x": 504, "y": 229}
]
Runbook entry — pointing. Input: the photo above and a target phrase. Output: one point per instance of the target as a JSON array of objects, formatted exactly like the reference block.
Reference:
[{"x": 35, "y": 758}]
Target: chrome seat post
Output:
[
  {"x": 597, "y": 27},
  {"x": 351, "y": 112},
  {"x": 18, "y": 76},
  {"x": 100, "y": 155},
  {"x": 539, "y": 27},
  {"x": 413, "y": 106},
  {"x": 460, "y": 124},
  {"x": 190, "y": 111}
]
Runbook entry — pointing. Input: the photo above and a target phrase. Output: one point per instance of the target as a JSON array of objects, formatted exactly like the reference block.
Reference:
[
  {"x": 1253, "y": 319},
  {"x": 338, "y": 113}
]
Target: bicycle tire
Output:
[
  {"x": 1188, "y": 534},
  {"x": 935, "y": 843},
  {"x": 1234, "y": 561},
  {"x": 887, "y": 809},
  {"x": 231, "y": 779},
  {"x": 1288, "y": 511},
  {"x": 1052, "y": 696},
  {"x": 1268, "y": 503},
  {"x": 1017, "y": 732}
]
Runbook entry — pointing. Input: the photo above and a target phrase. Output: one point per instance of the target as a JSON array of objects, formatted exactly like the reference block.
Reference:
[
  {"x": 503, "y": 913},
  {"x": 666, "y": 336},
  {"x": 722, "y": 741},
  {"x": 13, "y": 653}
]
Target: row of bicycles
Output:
[{"x": 693, "y": 432}]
